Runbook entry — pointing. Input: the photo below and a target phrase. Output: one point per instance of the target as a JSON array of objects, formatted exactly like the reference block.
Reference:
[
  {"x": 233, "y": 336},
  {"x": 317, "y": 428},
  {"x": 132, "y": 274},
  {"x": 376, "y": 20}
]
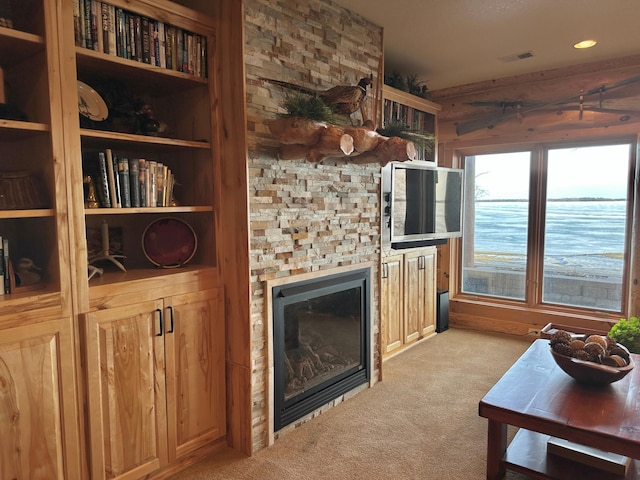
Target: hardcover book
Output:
[
  {"x": 124, "y": 182},
  {"x": 3, "y": 271},
  {"x": 134, "y": 182},
  {"x": 113, "y": 189},
  {"x": 104, "y": 191},
  {"x": 142, "y": 180},
  {"x": 152, "y": 186},
  {"x": 77, "y": 24},
  {"x": 8, "y": 269}
]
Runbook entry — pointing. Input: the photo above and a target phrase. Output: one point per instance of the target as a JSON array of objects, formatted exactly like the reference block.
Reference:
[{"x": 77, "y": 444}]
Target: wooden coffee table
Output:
[{"x": 539, "y": 398}]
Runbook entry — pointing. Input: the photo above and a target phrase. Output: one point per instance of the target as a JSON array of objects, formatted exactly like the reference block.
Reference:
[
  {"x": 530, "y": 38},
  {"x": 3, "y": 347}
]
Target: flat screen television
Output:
[{"x": 424, "y": 204}]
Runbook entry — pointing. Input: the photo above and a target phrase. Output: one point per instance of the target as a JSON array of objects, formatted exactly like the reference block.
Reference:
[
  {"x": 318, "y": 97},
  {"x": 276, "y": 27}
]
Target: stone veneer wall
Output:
[{"x": 305, "y": 217}]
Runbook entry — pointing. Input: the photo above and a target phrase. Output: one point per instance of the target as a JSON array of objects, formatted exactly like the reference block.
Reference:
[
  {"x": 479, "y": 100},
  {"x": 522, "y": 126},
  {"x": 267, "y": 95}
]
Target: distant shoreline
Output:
[{"x": 580, "y": 199}]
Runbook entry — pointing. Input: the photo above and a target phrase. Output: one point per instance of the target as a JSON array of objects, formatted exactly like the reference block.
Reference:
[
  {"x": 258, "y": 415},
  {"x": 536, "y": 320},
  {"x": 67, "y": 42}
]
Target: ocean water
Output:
[{"x": 582, "y": 238}]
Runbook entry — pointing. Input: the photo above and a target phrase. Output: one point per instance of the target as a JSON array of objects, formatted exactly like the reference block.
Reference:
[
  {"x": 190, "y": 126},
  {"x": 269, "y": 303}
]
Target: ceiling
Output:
[{"x": 447, "y": 43}]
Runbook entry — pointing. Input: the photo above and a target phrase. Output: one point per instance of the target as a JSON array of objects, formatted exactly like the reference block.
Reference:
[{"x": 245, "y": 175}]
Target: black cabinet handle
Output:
[
  {"x": 159, "y": 314},
  {"x": 170, "y": 319}
]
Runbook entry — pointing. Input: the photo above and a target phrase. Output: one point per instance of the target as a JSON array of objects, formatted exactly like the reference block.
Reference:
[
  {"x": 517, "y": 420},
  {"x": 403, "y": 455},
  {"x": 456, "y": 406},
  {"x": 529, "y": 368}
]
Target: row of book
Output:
[
  {"x": 6, "y": 269},
  {"x": 128, "y": 182},
  {"x": 115, "y": 31}
]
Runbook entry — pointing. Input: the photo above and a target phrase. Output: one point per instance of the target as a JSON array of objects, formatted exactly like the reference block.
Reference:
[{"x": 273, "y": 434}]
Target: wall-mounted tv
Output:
[{"x": 424, "y": 204}]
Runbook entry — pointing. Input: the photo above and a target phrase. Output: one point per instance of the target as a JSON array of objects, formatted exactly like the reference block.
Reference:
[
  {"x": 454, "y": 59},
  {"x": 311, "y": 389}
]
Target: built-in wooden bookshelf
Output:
[
  {"x": 414, "y": 113},
  {"x": 64, "y": 337},
  {"x": 37, "y": 332},
  {"x": 176, "y": 313}
]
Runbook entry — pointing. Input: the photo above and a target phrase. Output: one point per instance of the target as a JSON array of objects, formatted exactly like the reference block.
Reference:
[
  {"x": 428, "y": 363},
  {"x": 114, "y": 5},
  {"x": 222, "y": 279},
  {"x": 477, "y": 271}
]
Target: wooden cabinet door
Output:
[
  {"x": 413, "y": 295},
  {"x": 392, "y": 304},
  {"x": 195, "y": 370},
  {"x": 429, "y": 271},
  {"x": 39, "y": 422},
  {"x": 126, "y": 391}
]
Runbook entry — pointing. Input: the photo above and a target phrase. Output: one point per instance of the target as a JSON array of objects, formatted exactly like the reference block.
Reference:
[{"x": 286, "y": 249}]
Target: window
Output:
[
  {"x": 494, "y": 252},
  {"x": 548, "y": 226}
]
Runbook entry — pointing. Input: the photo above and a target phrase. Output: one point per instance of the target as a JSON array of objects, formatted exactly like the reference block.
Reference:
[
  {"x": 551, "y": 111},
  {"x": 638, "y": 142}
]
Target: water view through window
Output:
[
  {"x": 495, "y": 224},
  {"x": 572, "y": 225},
  {"x": 586, "y": 211}
]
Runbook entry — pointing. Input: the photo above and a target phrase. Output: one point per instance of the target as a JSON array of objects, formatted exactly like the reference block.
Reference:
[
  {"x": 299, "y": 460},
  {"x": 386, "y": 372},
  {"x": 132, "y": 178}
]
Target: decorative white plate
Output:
[{"x": 91, "y": 104}]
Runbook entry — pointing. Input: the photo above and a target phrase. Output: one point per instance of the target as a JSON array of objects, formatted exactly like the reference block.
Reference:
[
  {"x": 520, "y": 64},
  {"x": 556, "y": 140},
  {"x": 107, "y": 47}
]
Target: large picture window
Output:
[{"x": 548, "y": 225}]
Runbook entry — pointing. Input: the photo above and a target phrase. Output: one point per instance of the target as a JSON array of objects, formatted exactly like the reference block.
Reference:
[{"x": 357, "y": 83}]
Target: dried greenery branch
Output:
[
  {"x": 307, "y": 106},
  {"x": 422, "y": 140}
]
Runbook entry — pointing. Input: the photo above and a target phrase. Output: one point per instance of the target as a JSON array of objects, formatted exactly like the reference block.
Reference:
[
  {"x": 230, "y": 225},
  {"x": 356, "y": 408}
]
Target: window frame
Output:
[{"x": 532, "y": 309}]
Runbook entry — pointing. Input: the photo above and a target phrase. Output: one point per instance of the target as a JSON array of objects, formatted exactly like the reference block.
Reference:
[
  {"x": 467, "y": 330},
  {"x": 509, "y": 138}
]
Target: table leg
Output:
[{"x": 496, "y": 448}]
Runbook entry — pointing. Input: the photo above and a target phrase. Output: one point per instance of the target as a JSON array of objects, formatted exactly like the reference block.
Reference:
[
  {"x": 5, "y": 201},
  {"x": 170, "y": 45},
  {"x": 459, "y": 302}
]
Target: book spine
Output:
[
  {"x": 96, "y": 25},
  {"x": 117, "y": 183},
  {"x": 134, "y": 182},
  {"x": 190, "y": 54},
  {"x": 166, "y": 172},
  {"x": 143, "y": 31},
  {"x": 197, "y": 56},
  {"x": 104, "y": 16},
  {"x": 137, "y": 36},
  {"x": 142, "y": 167},
  {"x": 111, "y": 43},
  {"x": 124, "y": 182},
  {"x": 159, "y": 184},
  {"x": 87, "y": 25},
  {"x": 104, "y": 180},
  {"x": 162, "y": 42},
  {"x": 155, "y": 43},
  {"x": 185, "y": 51},
  {"x": 172, "y": 182},
  {"x": 153, "y": 186},
  {"x": 8, "y": 269},
  {"x": 169, "y": 47},
  {"x": 130, "y": 25},
  {"x": 112, "y": 179},
  {"x": 179, "y": 50},
  {"x": 77, "y": 24},
  {"x": 203, "y": 59},
  {"x": 121, "y": 37},
  {"x": 81, "y": 22},
  {"x": 3, "y": 270}
]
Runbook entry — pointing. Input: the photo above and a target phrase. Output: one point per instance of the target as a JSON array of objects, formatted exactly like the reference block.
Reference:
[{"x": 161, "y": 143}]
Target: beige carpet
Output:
[{"x": 421, "y": 422}]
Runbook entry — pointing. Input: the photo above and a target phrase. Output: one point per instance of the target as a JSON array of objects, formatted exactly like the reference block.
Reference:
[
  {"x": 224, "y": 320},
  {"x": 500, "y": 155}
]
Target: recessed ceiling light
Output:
[{"x": 585, "y": 44}]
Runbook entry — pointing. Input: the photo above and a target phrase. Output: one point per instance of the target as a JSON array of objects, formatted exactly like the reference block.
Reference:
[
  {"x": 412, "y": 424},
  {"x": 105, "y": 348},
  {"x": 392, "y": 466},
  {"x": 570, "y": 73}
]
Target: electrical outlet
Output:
[{"x": 534, "y": 332}]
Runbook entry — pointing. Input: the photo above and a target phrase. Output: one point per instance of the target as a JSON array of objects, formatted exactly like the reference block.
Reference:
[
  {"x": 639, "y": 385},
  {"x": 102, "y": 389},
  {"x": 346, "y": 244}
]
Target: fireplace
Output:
[{"x": 321, "y": 347}]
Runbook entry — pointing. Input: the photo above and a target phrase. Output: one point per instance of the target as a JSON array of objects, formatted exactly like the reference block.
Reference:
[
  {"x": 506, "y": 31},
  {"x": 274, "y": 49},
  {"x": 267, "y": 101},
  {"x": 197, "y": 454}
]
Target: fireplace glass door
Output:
[{"x": 321, "y": 347}]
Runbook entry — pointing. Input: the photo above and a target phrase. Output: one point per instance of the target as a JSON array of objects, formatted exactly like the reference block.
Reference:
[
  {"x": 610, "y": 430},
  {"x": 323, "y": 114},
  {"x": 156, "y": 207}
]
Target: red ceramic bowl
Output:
[{"x": 589, "y": 372}]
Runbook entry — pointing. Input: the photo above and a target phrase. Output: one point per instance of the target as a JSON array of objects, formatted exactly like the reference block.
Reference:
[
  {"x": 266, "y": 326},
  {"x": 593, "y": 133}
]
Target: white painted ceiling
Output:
[{"x": 446, "y": 43}]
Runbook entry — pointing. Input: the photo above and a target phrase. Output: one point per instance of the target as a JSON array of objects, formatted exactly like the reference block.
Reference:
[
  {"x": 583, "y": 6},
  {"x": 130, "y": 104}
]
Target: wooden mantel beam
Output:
[{"x": 314, "y": 141}]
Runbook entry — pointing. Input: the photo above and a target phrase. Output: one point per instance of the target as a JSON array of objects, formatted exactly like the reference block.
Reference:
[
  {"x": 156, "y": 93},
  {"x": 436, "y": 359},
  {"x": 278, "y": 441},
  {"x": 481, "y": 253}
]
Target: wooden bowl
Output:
[{"x": 590, "y": 373}]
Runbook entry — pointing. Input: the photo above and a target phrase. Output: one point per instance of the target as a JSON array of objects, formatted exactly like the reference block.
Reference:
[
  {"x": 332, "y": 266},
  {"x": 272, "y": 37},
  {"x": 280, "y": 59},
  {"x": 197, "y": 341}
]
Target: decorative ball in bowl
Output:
[{"x": 590, "y": 359}]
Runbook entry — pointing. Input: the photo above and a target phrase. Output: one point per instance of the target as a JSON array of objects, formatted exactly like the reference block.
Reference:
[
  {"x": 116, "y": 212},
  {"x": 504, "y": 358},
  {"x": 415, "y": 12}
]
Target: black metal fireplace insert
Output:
[{"x": 321, "y": 331}]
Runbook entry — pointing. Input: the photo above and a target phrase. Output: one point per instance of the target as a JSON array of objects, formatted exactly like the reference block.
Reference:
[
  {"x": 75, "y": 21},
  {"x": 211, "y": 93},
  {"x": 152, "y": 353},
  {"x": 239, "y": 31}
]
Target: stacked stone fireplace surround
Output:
[{"x": 305, "y": 218}]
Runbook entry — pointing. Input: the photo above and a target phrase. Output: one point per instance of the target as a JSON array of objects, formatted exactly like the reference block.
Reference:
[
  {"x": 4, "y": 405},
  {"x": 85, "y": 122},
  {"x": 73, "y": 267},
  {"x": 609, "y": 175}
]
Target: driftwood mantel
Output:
[{"x": 314, "y": 141}]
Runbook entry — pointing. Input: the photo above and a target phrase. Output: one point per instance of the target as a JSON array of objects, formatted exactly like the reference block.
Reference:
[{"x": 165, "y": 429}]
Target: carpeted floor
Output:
[{"x": 421, "y": 422}]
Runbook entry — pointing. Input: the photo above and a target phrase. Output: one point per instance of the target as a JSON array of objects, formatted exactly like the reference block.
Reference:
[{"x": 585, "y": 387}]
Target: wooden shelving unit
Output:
[
  {"x": 413, "y": 112},
  {"x": 37, "y": 333},
  {"x": 79, "y": 353}
]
